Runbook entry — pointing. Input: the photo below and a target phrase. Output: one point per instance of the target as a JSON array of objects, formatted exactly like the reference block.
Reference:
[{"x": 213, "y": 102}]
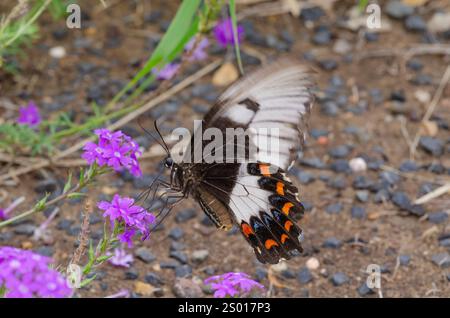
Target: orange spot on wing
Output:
[
  {"x": 265, "y": 171},
  {"x": 280, "y": 188},
  {"x": 269, "y": 243},
  {"x": 286, "y": 207},
  {"x": 288, "y": 225},
  {"x": 247, "y": 230},
  {"x": 284, "y": 237}
]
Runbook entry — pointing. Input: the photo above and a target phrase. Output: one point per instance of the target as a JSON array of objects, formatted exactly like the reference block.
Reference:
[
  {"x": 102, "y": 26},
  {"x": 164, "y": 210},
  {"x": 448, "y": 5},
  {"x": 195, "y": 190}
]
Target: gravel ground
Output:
[{"x": 365, "y": 103}]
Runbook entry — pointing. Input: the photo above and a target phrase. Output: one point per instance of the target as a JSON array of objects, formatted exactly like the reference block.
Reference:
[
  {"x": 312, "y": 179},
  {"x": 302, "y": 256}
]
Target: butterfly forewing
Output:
[{"x": 252, "y": 190}]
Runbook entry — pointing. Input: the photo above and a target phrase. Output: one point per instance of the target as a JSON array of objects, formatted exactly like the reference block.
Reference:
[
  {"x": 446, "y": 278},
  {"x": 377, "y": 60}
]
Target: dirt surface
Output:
[{"x": 110, "y": 49}]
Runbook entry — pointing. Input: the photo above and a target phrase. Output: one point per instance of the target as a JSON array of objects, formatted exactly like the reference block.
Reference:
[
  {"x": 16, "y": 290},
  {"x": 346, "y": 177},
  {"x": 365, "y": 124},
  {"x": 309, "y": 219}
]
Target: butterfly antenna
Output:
[
  {"x": 164, "y": 146},
  {"x": 160, "y": 136}
]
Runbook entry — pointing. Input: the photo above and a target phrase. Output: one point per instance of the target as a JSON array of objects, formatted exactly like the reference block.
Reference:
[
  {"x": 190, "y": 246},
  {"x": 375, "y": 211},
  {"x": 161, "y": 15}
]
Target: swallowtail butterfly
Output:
[{"x": 255, "y": 195}]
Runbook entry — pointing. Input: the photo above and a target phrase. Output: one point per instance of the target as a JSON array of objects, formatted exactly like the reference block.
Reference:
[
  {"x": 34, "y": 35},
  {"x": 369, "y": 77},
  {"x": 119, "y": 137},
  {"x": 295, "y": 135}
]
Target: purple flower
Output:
[
  {"x": 223, "y": 31},
  {"x": 114, "y": 149},
  {"x": 132, "y": 217},
  {"x": 121, "y": 258},
  {"x": 29, "y": 115},
  {"x": 232, "y": 284},
  {"x": 199, "y": 53},
  {"x": 167, "y": 72},
  {"x": 25, "y": 274}
]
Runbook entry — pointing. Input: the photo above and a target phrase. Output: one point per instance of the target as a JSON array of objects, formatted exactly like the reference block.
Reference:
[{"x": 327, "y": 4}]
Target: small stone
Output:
[
  {"x": 169, "y": 265},
  {"x": 340, "y": 166},
  {"x": 404, "y": 260},
  {"x": 154, "y": 279},
  {"x": 312, "y": 263},
  {"x": 312, "y": 13},
  {"x": 444, "y": 242},
  {"x": 225, "y": 75},
  {"x": 342, "y": 46},
  {"x": 25, "y": 229},
  {"x": 179, "y": 256},
  {"x": 329, "y": 108},
  {"x": 288, "y": 274},
  {"x": 415, "y": 23},
  {"x": 332, "y": 242},
  {"x": 362, "y": 196},
  {"x": 364, "y": 290},
  {"x": 143, "y": 289},
  {"x": 176, "y": 246},
  {"x": 313, "y": 163},
  {"x": 199, "y": 256},
  {"x": 64, "y": 224},
  {"x": 304, "y": 276},
  {"x": 358, "y": 212},
  {"x": 186, "y": 288},
  {"x": 439, "y": 22},
  {"x": 183, "y": 271},
  {"x": 442, "y": 260},
  {"x": 415, "y": 65},
  {"x": 362, "y": 183},
  {"x": 381, "y": 196},
  {"x": 358, "y": 164},
  {"x": 398, "y": 10},
  {"x": 328, "y": 64},
  {"x": 437, "y": 217},
  {"x": 176, "y": 233},
  {"x": 401, "y": 200},
  {"x": 339, "y": 279},
  {"x": 304, "y": 177},
  {"x": 334, "y": 208},
  {"x": 408, "y": 166},
  {"x": 185, "y": 215},
  {"x": 145, "y": 255},
  {"x": 322, "y": 36},
  {"x": 339, "y": 183},
  {"x": 390, "y": 177},
  {"x": 341, "y": 151},
  {"x": 45, "y": 251},
  {"x": 131, "y": 274},
  {"x": 432, "y": 145},
  {"x": 57, "y": 52},
  {"x": 422, "y": 80}
]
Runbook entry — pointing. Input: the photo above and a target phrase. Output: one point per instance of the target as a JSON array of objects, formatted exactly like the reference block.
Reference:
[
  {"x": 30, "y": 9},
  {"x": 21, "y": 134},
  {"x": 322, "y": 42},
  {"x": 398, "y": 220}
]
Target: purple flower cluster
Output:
[
  {"x": 232, "y": 284},
  {"x": 25, "y": 274},
  {"x": 223, "y": 32},
  {"x": 133, "y": 217},
  {"x": 114, "y": 149},
  {"x": 29, "y": 115}
]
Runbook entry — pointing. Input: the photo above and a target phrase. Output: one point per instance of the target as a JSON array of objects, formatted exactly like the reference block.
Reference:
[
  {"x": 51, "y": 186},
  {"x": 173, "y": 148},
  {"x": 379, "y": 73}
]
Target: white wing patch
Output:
[
  {"x": 239, "y": 114},
  {"x": 281, "y": 92},
  {"x": 247, "y": 198}
]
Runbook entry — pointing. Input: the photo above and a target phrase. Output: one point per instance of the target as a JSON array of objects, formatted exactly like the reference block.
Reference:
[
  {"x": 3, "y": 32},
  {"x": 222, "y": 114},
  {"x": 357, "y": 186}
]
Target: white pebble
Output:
[
  {"x": 358, "y": 164},
  {"x": 312, "y": 263},
  {"x": 57, "y": 52}
]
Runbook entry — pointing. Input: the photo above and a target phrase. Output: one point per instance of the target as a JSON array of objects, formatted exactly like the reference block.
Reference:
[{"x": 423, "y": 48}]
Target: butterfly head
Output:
[{"x": 168, "y": 162}]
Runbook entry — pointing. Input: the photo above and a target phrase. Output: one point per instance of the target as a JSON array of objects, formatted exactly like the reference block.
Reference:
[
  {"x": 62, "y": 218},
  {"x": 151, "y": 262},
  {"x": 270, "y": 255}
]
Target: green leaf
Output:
[
  {"x": 76, "y": 195},
  {"x": 235, "y": 35},
  {"x": 87, "y": 281},
  {"x": 68, "y": 183},
  {"x": 183, "y": 26},
  {"x": 103, "y": 258},
  {"x": 40, "y": 205}
]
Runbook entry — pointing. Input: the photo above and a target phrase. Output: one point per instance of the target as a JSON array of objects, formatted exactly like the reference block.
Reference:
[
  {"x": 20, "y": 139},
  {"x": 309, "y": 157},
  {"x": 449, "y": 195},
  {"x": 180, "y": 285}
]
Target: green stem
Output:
[{"x": 27, "y": 25}]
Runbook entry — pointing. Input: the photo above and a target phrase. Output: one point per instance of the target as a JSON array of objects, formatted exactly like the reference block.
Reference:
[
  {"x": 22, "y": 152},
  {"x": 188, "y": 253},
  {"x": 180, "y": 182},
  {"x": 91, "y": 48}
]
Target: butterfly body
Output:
[{"x": 251, "y": 189}]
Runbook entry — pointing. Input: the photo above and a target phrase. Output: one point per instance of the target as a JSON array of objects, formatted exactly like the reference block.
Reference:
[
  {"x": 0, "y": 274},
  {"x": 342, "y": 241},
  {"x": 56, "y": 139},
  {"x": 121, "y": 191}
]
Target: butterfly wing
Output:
[{"x": 256, "y": 193}]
